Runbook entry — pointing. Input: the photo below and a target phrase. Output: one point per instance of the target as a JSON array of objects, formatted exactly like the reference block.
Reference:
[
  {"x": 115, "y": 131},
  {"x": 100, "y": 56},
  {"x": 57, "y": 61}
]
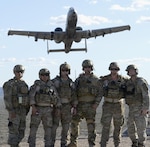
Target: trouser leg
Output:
[
  {"x": 141, "y": 124},
  {"x": 107, "y": 115},
  {"x": 74, "y": 131},
  {"x": 47, "y": 136},
  {"x": 54, "y": 130},
  {"x": 64, "y": 133},
  {"x": 32, "y": 136},
  {"x": 104, "y": 136},
  {"x": 91, "y": 133},
  {"x": 13, "y": 133}
]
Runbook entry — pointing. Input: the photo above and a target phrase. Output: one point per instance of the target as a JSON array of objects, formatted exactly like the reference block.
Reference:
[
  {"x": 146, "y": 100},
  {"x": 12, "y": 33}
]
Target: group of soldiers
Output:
[{"x": 63, "y": 100}]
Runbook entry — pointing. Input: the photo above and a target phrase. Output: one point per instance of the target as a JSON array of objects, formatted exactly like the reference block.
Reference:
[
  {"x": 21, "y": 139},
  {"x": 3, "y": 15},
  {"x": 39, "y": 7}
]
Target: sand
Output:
[{"x": 82, "y": 140}]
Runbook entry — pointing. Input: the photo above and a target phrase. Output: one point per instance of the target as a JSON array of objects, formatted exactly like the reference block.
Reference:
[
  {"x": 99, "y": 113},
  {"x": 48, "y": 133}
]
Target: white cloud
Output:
[
  {"x": 8, "y": 60},
  {"x": 143, "y": 19},
  {"x": 140, "y": 4},
  {"x": 66, "y": 7},
  {"x": 58, "y": 20},
  {"x": 134, "y": 60},
  {"x": 90, "y": 20},
  {"x": 136, "y": 5},
  {"x": 2, "y": 47},
  {"x": 120, "y": 8},
  {"x": 82, "y": 20},
  {"x": 32, "y": 61},
  {"x": 93, "y": 1}
]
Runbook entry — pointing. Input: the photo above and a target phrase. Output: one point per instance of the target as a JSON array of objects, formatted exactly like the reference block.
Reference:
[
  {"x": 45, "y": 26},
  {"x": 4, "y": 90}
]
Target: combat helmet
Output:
[
  {"x": 19, "y": 68},
  {"x": 87, "y": 63},
  {"x": 114, "y": 65},
  {"x": 64, "y": 66},
  {"x": 44, "y": 71},
  {"x": 132, "y": 66}
]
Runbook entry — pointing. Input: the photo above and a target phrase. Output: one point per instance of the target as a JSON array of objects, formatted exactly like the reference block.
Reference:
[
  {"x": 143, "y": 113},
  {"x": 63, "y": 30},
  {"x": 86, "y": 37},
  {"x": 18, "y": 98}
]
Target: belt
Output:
[
  {"x": 112, "y": 100},
  {"x": 44, "y": 105}
]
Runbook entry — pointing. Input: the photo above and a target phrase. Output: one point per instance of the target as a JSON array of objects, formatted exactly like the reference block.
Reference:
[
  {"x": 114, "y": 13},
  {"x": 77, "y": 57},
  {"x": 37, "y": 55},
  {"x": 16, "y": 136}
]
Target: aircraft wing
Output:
[
  {"x": 101, "y": 32},
  {"x": 38, "y": 35}
]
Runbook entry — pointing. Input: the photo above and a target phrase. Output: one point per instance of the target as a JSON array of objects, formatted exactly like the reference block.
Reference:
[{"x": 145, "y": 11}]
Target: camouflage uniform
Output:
[
  {"x": 65, "y": 88},
  {"x": 113, "y": 92},
  {"x": 43, "y": 97},
  {"x": 88, "y": 97},
  {"x": 137, "y": 98},
  {"x": 17, "y": 104}
]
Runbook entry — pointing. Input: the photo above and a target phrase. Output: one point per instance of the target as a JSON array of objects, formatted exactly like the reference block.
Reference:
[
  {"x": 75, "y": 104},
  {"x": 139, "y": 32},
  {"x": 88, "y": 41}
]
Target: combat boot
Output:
[
  {"x": 102, "y": 144},
  {"x": 63, "y": 145},
  {"x": 91, "y": 144},
  {"x": 116, "y": 145},
  {"x": 135, "y": 143},
  {"x": 72, "y": 144},
  {"x": 141, "y": 145},
  {"x": 14, "y": 145}
]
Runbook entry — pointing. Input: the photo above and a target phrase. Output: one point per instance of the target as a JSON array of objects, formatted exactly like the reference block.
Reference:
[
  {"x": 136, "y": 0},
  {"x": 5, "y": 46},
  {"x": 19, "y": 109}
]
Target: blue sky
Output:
[{"x": 127, "y": 47}]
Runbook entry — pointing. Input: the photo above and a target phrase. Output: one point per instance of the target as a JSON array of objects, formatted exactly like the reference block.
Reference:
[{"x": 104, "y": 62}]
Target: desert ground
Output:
[{"x": 82, "y": 140}]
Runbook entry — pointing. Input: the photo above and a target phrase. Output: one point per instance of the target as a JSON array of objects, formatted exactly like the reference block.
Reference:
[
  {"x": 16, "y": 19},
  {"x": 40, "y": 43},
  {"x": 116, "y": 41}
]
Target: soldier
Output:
[
  {"x": 88, "y": 97},
  {"x": 113, "y": 91},
  {"x": 43, "y": 97},
  {"x": 17, "y": 104},
  {"x": 137, "y": 98},
  {"x": 65, "y": 88}
]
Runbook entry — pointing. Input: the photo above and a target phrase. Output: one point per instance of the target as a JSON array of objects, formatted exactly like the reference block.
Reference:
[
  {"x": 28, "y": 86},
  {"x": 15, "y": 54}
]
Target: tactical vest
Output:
[
  {"x": 64, "y": 89},
  {"x": 113, "y": 89},
  {"x": 133, "y": 93},
  {"x": 46, "y": 95},
  {"x": 87, "y": 87},
  {"x": 17, "y": 91}
]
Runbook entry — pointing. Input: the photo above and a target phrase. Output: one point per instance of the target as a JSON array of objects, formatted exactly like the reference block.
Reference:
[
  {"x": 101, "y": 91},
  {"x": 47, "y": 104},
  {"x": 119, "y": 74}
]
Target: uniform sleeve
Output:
[
  {"x": 33, "y": 89},
  {"x": 99, "y": 94},
  {"x": 76, "y": 83},
  {"x": 8, "y": 96},
  {"x": 145, "y": 94},
  {"x": 56, "y": 84},
  {"x": 58, "y": 103},
  {"x": 74, "y": 101}
]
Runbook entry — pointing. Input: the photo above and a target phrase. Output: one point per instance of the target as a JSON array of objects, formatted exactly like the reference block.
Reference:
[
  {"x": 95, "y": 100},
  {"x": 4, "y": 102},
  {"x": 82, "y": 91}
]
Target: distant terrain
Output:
[{"x": 1, "y": 93}]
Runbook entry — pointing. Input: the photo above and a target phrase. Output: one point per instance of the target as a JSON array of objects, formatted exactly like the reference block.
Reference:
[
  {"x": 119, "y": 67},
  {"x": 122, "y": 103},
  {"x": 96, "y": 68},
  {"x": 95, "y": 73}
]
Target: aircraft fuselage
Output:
[{"x": 70, "y": 29}]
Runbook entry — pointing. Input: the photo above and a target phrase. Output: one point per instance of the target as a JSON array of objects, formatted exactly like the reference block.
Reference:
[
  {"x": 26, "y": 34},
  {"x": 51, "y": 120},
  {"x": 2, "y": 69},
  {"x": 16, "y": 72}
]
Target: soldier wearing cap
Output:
[
  {"x": 66, "y": 90},
  {"x": 88, "y": 98},
  {"x": 43, "y": 96},
  {"x": 137, "y": 98},
  {"x": 113, "y": 91},
  {"x": 17, "y": 104}
]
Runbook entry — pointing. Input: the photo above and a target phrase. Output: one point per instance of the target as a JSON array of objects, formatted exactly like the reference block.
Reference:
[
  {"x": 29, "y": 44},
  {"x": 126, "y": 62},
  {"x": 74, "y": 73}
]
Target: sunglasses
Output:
[
  {"x": 64, "y": 70},
  {"x": 45, "y": 74},
  {"x": 20, "y": 71},
  {"x": 114, "y": 69},
  {"x": 87, "y": 67}
]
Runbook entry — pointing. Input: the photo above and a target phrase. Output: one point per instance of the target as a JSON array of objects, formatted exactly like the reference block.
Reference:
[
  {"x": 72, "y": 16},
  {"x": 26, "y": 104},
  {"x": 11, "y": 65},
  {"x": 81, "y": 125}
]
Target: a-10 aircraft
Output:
[{"x": 73, "y": 33}]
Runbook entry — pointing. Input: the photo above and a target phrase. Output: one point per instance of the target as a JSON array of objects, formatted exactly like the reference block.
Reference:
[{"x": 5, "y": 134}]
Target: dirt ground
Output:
[{"x": 82, "y": 140}]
